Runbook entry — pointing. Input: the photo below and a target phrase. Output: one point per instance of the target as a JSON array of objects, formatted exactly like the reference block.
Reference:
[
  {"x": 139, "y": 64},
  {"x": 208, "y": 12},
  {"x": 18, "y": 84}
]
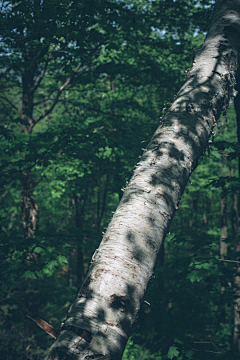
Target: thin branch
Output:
[
  {"x": 43, "y": 72},
  {"x": 207, "y": 342},
  {"x": 47, "y": 98},
  {"x": 42, "y": 101},
  {"x": 6, "y": 99},
  {"x": 37, "y": 182},
  {"x": 50, "y": 109},
  {"x": 233, "y": 261},
  {"x": 27, "y": 168},
  {"x": 209, "y": 351},
  {"x": 74, "y": 73},
  {"x": 7, "y": 114},
  {"x": 88, "y": 107},
  {"x": 19, "y": 171},
  {"x": 3, "y": 195}
]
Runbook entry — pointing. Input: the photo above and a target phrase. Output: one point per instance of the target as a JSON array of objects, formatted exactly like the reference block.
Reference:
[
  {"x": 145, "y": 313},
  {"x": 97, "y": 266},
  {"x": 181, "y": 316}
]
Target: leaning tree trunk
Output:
[{"x": 100, "y": 320}]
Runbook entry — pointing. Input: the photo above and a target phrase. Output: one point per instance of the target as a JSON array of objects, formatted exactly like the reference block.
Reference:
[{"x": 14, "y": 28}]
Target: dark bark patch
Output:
[
  {"x": 130, "y": 237},
  {"x": 119, "y": 302},
  {"x": 59, "y": 355},
  {"x": 160, "y": 196},
  {"x": 84, "y": 288},
  {"x": 84, "y": 334},
  {"x": 95, "y": 357},
  {"x": 218, "y": 73},
  {"x": 152, "y": 244}
]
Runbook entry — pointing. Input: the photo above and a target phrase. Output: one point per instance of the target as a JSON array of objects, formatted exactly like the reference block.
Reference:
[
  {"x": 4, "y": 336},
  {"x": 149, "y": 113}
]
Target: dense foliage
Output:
[{"x": 83, "y": 84}]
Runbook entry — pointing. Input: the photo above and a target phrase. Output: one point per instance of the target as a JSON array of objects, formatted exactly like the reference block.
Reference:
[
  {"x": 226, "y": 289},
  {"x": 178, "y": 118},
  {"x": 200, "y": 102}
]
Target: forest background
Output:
[{"x": 83, "y": 85}]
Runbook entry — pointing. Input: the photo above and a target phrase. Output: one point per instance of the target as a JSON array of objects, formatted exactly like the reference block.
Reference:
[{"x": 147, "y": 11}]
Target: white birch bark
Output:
[{"x": 100, "y": 320}]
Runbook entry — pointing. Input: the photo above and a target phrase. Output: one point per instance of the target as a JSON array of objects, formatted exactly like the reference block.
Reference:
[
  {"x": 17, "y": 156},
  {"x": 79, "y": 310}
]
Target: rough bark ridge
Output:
[{"x": 100, "y": 320}]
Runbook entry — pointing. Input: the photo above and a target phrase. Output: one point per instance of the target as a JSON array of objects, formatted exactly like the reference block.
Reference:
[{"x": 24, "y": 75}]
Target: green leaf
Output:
[
  {"x": 62, "y": 259},
  {"x": 216, "y": 154},
  {"x": 194, "y": 276},
  {"x": 189, "y": 354},
  {"x": 52, "y": 264},
  {"x": 28, "y": 275},
  {"x": 176, "y": 340},
  {"x": 40, "y": 274},
  {"x": 38, "y": 250},
  {"x": 173, "y": 352}
]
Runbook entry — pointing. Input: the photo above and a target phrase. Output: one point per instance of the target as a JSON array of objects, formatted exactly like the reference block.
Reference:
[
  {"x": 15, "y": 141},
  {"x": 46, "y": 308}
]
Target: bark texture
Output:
[{"x": 100, "y": 320}]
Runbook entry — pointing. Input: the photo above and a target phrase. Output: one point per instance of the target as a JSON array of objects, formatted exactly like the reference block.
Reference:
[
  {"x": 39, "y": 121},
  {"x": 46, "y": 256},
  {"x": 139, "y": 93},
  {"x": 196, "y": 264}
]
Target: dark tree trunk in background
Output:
[
  {"x": 29, "y": 208},
  {"x": 224, "y": 230},
  {"x": 79, "y": 203},
  {"x": 27, "y": 101},
  {"x": 101, "y": 203},
  {"x": 100, "y": 320}
]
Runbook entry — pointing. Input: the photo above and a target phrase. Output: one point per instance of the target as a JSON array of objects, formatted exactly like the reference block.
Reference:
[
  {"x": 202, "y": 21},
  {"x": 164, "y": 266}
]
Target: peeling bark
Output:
[{"x": 109, "y": 300}]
